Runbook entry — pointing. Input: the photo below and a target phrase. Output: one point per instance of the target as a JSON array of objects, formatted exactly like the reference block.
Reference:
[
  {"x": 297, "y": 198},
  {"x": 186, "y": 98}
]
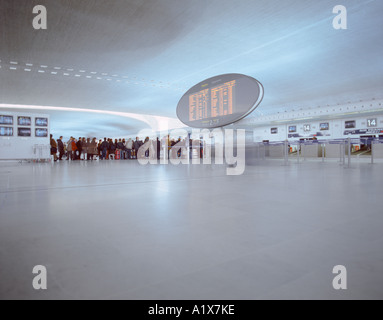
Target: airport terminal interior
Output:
[{"x": 191, "y": 150}]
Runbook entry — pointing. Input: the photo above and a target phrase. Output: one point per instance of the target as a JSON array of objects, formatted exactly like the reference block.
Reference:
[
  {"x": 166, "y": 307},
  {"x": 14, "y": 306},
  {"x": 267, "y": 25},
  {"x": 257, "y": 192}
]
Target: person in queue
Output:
[
  {"x": 53, "y": 148},
  {"x": 61, "y": 148}
]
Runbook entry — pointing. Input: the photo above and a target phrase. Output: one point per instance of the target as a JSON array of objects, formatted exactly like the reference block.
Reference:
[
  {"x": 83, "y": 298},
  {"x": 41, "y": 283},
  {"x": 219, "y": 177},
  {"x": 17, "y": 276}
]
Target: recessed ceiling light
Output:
[
  {"x": 53, "y": 72},
  {"x": 93, "y": 72},
  {"x": 77, "y": 75},
  {"x": 12, "y": 68},
  {"x": 57, "y": 68},
  {"x": 66, "y": 74},
  {"x": 29, "y": 64},
  {"x": 89, "y": 77},
  {"x": 41, "y": 71},
  {"x": 44, "y": 66},
  {"x": 28, "y": 70},
  {"x": 82, "y": 71},
  {"x": 14, "y": 62}
]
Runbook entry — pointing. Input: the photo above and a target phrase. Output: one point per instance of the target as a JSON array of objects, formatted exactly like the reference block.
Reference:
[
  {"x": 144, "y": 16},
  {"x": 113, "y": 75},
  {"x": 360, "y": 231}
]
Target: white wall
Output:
[{"x": 24, "y": 148}]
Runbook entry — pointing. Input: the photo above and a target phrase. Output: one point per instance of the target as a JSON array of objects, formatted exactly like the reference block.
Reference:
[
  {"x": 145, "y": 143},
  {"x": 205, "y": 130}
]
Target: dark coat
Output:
[
  {"x": 79, "y": 146},
  {"x": 104, "y": 145},
  {"x": 137, "y": 144},
  {"x": 60, "y": 145},
  {"x": 112, "y": 147}
]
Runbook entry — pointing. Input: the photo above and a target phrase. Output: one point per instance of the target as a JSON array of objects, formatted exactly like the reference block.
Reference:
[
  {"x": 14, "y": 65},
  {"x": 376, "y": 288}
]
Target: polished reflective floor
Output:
[{"x": 118, "y": 230}]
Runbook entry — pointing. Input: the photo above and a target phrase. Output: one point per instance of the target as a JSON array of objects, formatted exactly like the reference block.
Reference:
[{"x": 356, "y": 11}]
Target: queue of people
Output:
[{"x": 88, "y": 149}]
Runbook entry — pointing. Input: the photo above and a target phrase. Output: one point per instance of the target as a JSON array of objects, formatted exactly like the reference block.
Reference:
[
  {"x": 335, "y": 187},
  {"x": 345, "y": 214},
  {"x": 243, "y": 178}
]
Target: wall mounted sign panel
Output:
[
  {"x": 41, "y": 133},
  {"x": 220, "y": 101},
  {"x": 41, "y": 122},
  {"x": 363, "y": 131},
  {"x": 372, "y": 122},
  {"x": 6, "y": 131},
  {"x": 7, "y": 120},
  {"x": 350, "y": 124},
  {"x": 324, "y": 126},
  {"x": 24, "y": 121},
  {"x": 24, "y": 132}
]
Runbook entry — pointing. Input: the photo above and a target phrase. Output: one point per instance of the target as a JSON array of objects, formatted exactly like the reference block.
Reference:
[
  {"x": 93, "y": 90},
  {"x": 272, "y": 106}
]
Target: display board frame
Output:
[
  {"x": 4, "y": 116},
  {"x": 4, "y": 129},
  {"x": 220, "y": 101},
  {"x": 20, "y": 133},
  {"x": 41, "y": 125},
  {"x": 45, "y": 130},
  {"x": 21, "y": 119}
]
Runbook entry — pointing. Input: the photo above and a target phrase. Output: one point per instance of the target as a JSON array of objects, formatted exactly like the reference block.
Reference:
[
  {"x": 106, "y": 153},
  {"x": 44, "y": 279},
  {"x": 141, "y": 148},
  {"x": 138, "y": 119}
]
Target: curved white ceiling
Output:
[{"x": 139, "y": 56}]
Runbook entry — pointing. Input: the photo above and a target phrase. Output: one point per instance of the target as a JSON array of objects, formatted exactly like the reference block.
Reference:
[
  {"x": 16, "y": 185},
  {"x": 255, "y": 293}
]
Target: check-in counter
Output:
[
  {"x": 276, "y": 151},
  {"x": 332, "y": 150},
  {"x": 378, "y": 150},
  {"x": 311, "y": 150}
]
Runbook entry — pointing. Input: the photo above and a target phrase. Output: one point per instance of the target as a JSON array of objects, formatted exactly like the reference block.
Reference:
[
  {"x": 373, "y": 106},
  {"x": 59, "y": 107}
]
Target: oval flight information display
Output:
[{"x": 220, "y": 101}]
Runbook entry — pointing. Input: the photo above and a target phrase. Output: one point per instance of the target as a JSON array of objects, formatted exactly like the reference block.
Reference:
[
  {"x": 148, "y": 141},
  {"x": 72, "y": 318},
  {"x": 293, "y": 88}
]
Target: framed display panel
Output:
[
  {"x": 220, "y": 101},
  {"x": 274, "y": 130},
  {"x": 372, "y": 123},
  {"x": 292, "y": 129},
  {"x": 324, "y": 126},
  {"x": 41, "y": 122},
  {"x": 24, "y": 121},
  {"x": 41, "y": 133},
  {"x": 350, "y": 124},
  {"x": 307, "y": 128},
  {"x": 6, "y": 131},
  {"x": 24, "y": 132},
  {"x": 7, "y": 120}
]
